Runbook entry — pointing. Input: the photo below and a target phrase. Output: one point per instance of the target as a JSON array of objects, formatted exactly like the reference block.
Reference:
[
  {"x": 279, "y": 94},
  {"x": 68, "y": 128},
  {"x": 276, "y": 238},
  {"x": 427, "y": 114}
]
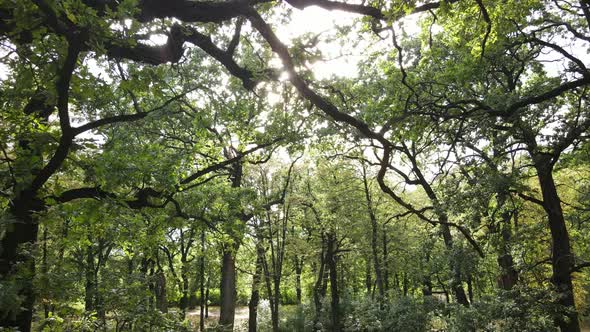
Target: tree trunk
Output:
[
  {"x": 160, "y": 291},
  {"x": 90, "y": 286},
  {"x": 24, "y": 232},
  {"x": 255, "y": 296},
  {"x": 427, "y": 278},
  {"x": 45, "y": 269},
  {"x": 273, "y": 294},
  {"x": 385, "y": 260},
  {"x": 405, "y": 284},
  {"x": 508, "y": 274},
  {"x": 274, "y": 312},
  {"x": 202, "y": 283},
  {"x": 368, "y": 281},
  {"x": 184, "y": 300},
  {"x": 456, "y": 281},
  {"x": 374, "y": 237},
  {"x": 376, "y": 260},
  {"x": 319, "y": 289},
  {"x": 426, "y": 286},
  {"x": 228, "y": 290},
  {"x": 562, "y": 259},
  {"x": 298, "y": 271},
  {"x": 207, "y": 299},
  {"x": 335, "y": 296},
  {"x": 470, "y": 287},
  {"x": 277, "y": 299}
]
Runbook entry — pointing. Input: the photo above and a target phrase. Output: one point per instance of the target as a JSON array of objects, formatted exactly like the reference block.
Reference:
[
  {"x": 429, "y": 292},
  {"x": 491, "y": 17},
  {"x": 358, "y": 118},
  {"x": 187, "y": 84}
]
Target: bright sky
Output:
[{"x": 316, "y": 20}]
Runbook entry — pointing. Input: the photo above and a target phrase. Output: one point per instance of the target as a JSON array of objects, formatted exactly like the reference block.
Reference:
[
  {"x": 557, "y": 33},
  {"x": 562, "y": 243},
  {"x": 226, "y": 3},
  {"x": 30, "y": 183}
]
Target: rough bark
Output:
[
  {"x": 160, "y": 292},
  {"x": 562, "y": 259},
  {"x": 228, "y": 290}
]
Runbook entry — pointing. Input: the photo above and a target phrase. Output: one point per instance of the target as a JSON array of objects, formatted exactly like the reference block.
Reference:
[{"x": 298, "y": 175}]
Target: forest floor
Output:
[{"x": 240, "y": 320}]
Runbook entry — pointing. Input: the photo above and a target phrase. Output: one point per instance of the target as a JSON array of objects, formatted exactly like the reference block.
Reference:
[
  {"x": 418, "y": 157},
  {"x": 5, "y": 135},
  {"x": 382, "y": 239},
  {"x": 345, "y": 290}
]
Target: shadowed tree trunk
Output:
[
  {"x": 319, "y": 289},
  {"x": 255, "y": 296},
  {"x": 368, "y": 275},
  {"x": 24, "y": 232},
  {"x": 385, "y": 262},
  {"x": 374, "y": 236},
  {"x": 160, "y": 291},
  {"x": 334, "y": 293},
  {"x": 298, "y": 271},
  {"x": 90, "y": 285},
  {"x": 207, "y": 299},
  {"x": 509, "y": 276},
  {"x": 456, "y": 281},
  {"x": 562, "y": 259},
  {"x": 202, "y": 283},
  {"x": 228, "y": 291}
]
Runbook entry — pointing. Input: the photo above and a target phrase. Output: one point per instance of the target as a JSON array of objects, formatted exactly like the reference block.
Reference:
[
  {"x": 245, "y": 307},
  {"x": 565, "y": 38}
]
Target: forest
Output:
[{"x": 295, "y": 165}]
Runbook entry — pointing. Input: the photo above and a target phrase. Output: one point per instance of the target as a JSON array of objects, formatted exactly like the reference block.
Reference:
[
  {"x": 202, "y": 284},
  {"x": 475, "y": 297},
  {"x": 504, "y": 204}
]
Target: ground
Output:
[{"x": 240, "y": 322}]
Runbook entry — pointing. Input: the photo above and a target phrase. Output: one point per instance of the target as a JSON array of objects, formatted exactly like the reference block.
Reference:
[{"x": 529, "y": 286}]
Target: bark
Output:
[
  {"x": 405, "y": 284},
  {"x": 335, "y": 296},
  {"x": 456, "y": 281},
  {"x": 376, "y": 260},
  {"x": 508, "y": 275},
  {"x": 207, "y": 299},
  {"x": 427, "y": 279},
  {"x": 470, "y": 288},
  {"x": 319, "y": 289},
  {"x": 24, "y": 232},
  {"x": 298, "y": 271},
  {"x": 90, "y": 286},
  {"x": 368, "y": 281},
  {"x": 385, "y": 260},
  {"x": 562, "y": 259},
  {"x": 374, "y": 237},
  {"x": 45, "y": 269},
  {"x": 184, "y": 300},
  {"x": 277, "y": 299},
  {"x": 427, "y": 286},
  {"x": 160, "y": 292},
  {"x": 228, "y": 290},
  {"x": 269, "y": 290},
  {"x": 202, "y": 283},
  {"x": 255, "y": 296}
]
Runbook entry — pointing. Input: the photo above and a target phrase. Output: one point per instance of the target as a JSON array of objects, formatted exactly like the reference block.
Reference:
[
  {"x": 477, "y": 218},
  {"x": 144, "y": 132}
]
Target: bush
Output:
[
  {"x": 522, "y": 310},
  {"x": 288, "y": 296},
  {"x": 296, "y": 318},
  {"x": 519, "y": 310}
]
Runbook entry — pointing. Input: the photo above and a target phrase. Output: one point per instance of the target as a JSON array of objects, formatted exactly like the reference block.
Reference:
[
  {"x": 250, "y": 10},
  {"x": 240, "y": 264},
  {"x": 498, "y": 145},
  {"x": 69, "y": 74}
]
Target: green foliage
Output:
[{"x": 519, "y": 310}]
